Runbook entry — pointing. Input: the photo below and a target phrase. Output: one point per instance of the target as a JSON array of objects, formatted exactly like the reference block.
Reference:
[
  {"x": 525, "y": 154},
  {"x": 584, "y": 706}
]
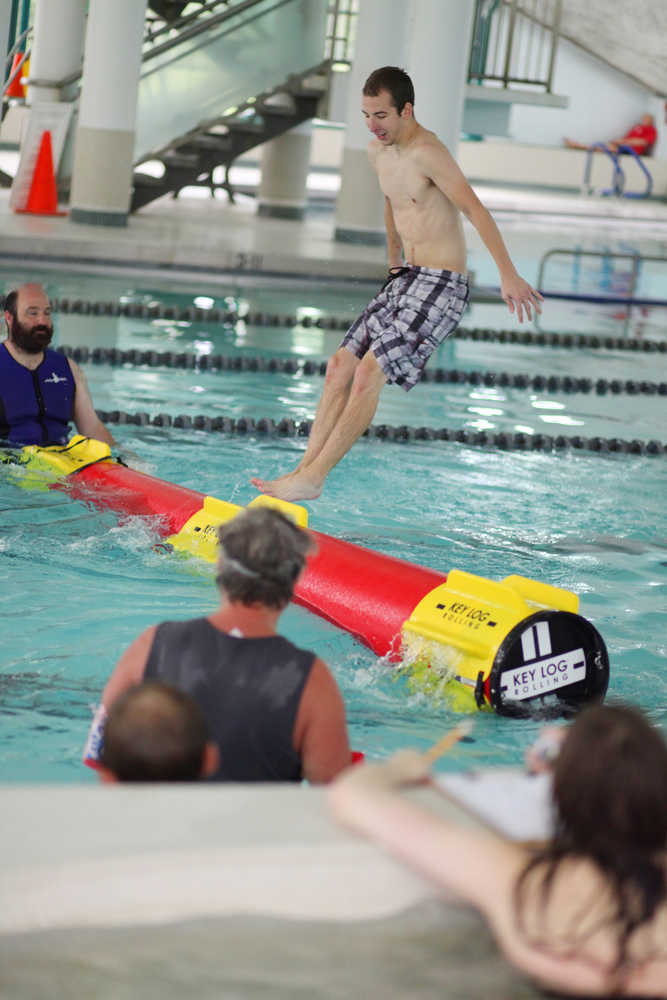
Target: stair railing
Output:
[{"x": 514, "y": 44}]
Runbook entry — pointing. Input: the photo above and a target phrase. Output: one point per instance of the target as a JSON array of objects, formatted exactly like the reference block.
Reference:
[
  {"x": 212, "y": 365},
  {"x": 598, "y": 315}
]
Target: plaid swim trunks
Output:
[{"x": 413, "y": 313}]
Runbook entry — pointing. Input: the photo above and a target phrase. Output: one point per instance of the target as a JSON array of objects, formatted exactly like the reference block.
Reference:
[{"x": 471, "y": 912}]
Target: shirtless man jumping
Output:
[{"x": 423, "y": 299}]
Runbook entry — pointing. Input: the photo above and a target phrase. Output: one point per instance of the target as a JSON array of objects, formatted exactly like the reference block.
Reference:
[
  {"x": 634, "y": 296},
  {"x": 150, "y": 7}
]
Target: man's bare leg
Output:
[
  {"x": 306, "y": 482},
  {"x": 337, "y": 384}
]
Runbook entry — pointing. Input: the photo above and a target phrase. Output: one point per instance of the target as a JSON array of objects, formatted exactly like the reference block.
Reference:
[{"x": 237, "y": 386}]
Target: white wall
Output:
[{"x": 603, "y": 103}]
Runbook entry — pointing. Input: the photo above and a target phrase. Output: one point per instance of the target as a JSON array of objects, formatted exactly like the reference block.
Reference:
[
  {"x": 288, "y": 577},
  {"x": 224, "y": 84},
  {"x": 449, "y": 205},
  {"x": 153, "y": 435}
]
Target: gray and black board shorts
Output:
[{"x": 414, "y": 312}]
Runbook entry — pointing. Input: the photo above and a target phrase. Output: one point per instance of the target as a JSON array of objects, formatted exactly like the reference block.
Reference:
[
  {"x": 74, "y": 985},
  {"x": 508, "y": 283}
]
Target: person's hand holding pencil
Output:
[
  {"x": 405, "y": 767},
  {"x": 450, "y": 738}
]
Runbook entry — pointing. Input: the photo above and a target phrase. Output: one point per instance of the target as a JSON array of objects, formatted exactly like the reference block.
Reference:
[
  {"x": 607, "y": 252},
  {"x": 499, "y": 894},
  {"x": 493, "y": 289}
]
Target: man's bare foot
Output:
[
  {"x": 260, "y": 483},
  {"x": 296, "y": 486}
]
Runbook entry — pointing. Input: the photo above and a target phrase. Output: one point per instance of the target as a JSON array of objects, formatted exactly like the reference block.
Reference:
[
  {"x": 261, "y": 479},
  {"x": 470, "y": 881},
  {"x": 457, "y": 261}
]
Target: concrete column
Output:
[
  {"x": 104, "y": 148},
  {"x": 437, "y": 50},
  {"x": 360, "y": 206},
  {"x": 430, "y": 39},
  {"x": 285, "y": 162},
  {"x": 58, "y": 47}
]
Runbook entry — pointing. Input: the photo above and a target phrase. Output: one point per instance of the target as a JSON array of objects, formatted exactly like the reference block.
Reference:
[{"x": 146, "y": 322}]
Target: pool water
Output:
[{"x": 77, "y": 585}]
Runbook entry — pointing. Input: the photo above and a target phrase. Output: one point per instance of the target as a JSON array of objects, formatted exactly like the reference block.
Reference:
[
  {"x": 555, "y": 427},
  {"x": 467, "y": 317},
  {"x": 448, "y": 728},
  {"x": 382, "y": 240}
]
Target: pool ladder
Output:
[
  {"x": 628, "y": 297},
  {"x": 618, "y": 174}
]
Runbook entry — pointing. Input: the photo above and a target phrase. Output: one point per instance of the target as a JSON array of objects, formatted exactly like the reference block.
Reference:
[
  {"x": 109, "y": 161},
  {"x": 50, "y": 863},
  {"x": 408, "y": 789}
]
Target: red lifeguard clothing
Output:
[{"x": 647, "y": 133}]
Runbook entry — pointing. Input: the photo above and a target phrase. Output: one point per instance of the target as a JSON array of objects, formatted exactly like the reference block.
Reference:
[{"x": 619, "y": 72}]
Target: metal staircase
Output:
[
  {"x": 193, "y": 158},
  {"x": 221, "y": 78}
]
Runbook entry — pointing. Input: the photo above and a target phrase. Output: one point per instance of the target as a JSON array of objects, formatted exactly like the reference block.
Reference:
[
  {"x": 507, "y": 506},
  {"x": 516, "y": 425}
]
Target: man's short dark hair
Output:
[
  {"x": 394, "y": 80},
  {"x": 154, "y": 732},
  {"x": 262, "y": 555}
]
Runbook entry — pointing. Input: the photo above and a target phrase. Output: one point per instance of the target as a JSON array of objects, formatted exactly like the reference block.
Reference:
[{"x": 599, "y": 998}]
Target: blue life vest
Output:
[{"x": 36, "y": 406}]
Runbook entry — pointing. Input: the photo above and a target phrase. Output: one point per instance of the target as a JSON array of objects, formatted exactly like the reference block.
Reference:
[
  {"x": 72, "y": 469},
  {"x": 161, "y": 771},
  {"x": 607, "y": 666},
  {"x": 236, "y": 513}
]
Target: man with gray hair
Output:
[{"x": 273, "y": 709}]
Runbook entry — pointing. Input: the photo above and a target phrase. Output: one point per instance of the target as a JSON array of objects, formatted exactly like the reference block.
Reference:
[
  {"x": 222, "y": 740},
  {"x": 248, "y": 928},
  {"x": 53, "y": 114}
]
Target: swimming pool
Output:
[{"x": 77, "y": 586}]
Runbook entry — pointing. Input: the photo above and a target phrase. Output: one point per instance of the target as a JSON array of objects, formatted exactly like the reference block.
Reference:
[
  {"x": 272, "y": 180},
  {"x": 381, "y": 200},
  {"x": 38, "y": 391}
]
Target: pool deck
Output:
[
  {"x": 236, "y": 891},
  {"x": 209, "y": 237}
]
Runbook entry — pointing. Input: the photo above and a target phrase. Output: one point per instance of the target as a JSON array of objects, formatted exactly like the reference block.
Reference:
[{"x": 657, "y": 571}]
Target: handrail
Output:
[
  {"x": 204, "y": 24},
  {"x": 484, "y": 12},
  {"x": 642, "y": 166},
  {"x": 629, "y": 300},
  {"x": 198, "y": 29},
  {"x": 179, "y": 22},
  {"x": 192, "y": 32},
  {"x": 634, "y": 255},
  {"x": 15, "y": 47},
  {"x": 16, "y": 70},
  {"x": 617, "y": 179},
  {"x": 505, "y": 21},
  {"x": 618, "y": 175}
]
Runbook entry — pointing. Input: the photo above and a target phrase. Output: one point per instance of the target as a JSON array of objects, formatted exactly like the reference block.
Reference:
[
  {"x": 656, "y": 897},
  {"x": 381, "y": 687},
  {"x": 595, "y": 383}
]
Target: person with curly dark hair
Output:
[{"x": 586, "y": 912}]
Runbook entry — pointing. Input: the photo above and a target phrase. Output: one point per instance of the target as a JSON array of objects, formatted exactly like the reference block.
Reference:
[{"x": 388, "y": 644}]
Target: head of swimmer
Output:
[
  {"x": 28, "y": 318},
  {"x": 610, "y": 786},
  {"x": 155, "y": 732},
  {"x": 388, "y": 100},
  {"x": 262, "y": 555}
]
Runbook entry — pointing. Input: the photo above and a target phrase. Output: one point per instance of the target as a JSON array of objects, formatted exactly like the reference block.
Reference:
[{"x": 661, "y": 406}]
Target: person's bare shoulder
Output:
[
  {"x": 428, "y": 147},
  {"x": 432, "y": 159}
]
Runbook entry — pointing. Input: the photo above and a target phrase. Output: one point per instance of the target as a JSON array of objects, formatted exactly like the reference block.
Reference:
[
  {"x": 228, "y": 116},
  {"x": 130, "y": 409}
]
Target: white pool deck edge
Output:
[
  {"x": 130, "y": 855},
  {"x": 206, "y": 238},
  {"x": 106, "y": 856}
]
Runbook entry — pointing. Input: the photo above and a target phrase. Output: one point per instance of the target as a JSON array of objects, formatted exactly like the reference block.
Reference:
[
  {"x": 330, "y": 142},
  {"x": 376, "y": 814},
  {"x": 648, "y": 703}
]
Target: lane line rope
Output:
[
  {"x": 244, "y": 363},
  {"x": 264, "y": 426}
]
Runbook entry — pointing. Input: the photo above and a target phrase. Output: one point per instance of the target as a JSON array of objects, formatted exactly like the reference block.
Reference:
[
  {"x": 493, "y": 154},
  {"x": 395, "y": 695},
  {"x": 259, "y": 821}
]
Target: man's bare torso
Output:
[{"x": 428, "y": 224}]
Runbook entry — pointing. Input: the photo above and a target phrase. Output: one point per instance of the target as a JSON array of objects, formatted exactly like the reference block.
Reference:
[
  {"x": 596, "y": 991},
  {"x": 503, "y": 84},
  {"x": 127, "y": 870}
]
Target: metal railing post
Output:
[
  {"x": 13, "y": 19},
  {"x": 510, "y": 43},
  {"x": 555, "y": 35}
]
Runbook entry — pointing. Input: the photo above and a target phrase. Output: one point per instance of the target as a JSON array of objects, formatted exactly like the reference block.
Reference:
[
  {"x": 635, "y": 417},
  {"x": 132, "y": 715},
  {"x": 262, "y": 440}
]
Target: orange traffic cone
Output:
[
  {"x": 16, "y": 88},
  {"x": 43, "y": 197}
]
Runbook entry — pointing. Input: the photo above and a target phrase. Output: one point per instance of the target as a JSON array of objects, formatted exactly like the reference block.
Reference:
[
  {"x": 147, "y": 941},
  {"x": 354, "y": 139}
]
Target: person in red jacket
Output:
[{"x": 640, "y": 137}]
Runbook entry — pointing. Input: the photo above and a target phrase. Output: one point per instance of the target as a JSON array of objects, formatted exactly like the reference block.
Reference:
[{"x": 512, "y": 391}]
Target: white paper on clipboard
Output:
[{"x": 511, "y": 801}]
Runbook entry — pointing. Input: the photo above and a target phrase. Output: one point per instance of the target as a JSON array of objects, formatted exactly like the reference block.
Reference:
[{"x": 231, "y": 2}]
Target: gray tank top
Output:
[{"x": 248, "y": 689}]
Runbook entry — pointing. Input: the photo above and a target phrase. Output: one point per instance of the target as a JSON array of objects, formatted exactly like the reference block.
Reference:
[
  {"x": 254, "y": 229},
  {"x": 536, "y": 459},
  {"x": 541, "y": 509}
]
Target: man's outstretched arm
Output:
[{"x": 441, "y": 168}]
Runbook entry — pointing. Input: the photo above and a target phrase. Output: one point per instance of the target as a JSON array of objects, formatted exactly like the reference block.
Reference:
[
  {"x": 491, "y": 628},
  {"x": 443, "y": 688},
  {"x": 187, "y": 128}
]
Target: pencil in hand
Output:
[{"x": 448, "y": 741}]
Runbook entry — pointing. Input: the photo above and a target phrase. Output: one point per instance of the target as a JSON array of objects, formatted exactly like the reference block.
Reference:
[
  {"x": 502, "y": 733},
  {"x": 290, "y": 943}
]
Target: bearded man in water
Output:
[
  {"x": 41, "y": 391},
  {"x": 424, "y": 297}
]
